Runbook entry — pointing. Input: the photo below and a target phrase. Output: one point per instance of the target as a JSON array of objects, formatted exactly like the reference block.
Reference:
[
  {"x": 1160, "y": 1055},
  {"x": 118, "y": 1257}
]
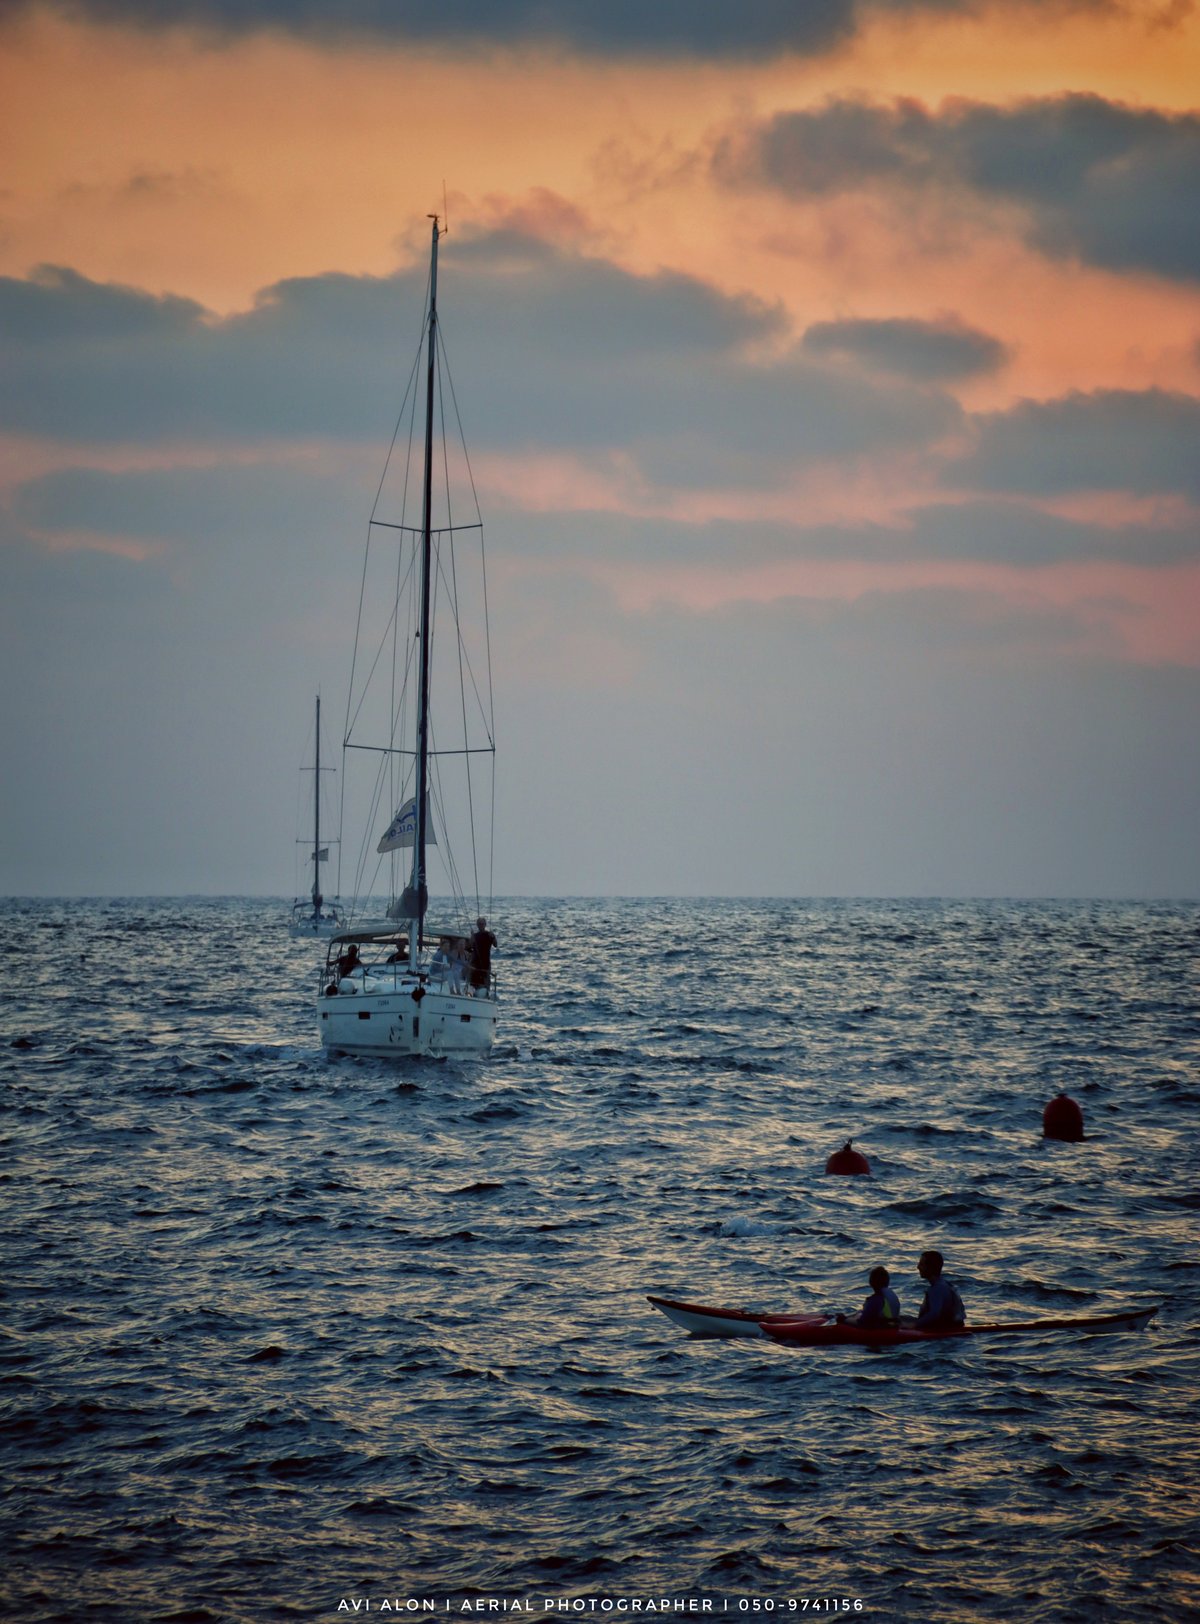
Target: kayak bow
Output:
[{"x": 701, "y": 1321}]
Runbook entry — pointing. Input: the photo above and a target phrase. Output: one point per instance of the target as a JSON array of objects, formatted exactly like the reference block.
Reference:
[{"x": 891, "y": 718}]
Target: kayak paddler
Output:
[
  {"x": 942, "y": 1308},
  {"x": 882, "y": 1307}
]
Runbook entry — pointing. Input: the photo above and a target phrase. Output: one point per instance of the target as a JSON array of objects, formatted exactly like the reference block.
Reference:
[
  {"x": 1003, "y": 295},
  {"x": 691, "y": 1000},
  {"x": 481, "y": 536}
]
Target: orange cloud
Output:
[
  {"x": 214, "y": 170},
  {"x": 872, "y": 490}
]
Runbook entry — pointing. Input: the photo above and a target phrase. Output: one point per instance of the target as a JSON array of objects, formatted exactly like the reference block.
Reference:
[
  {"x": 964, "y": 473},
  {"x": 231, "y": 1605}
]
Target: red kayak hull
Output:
[{"x": 803, "y": 1333}]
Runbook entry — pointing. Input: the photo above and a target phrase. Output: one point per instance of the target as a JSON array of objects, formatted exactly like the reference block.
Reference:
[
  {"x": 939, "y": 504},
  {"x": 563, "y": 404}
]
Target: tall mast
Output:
[
  {"x": 316, "y": 890},
  {"x": 420, "y": 892}
]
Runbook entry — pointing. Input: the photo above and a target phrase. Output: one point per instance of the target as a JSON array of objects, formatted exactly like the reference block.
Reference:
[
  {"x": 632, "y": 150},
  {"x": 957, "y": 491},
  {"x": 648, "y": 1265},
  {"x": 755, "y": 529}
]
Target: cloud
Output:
[
  {"x": 979, "y": 532},
  {"x": 286, "y": 515},
  {"x": 146, "y": 185},
  {"x": 942, "y": 351},
  {"x": 109, "y": 364},
  {"x": 659, "y": 388},
  {"x": 547, "y": 348},
  {"x": 1138, "y": 441},
  {"x": 282, "y": 508},
  {"x": 1112, "y": 185},
  {"x": 1023, "y": 536},
  {"x": 714, "y": 29},
  {"x": 320, "y": 355},
  {"x": 56, "y": 308}
]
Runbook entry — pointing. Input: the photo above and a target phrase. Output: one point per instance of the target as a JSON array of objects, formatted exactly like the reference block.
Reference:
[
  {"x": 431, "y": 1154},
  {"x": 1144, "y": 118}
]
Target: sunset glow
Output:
[{"x": 909, "y": 307}]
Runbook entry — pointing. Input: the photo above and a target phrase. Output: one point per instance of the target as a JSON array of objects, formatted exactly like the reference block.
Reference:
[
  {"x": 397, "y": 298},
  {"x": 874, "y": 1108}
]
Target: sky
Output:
[{"x": 831, "y": 378}]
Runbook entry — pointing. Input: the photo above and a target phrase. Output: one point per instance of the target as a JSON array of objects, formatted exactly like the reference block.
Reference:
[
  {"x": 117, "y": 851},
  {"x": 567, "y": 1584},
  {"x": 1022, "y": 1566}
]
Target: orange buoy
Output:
[
  {"x": 1062, "y": 1119},
  {"x": 847, "y": 1161}
]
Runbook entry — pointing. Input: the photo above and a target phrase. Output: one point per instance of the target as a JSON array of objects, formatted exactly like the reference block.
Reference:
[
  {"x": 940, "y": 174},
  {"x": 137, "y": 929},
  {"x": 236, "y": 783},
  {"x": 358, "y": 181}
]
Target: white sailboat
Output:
[
  {"x": 399, "y": 985},
  {"x": 314, "y": 915}
]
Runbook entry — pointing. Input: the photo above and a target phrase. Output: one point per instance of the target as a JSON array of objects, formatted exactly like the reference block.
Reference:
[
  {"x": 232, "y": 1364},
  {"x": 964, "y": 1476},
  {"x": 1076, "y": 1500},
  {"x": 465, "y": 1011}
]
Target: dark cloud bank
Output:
[
  {"x": 945, "y": 351},
  {"x": 1112, "y": 185},
  {"x": 1144, "y": 442},
  {"x": 554, "y": 352},
  {"x": 549, "y": 350},
  {"x": 688, "y": 28}
]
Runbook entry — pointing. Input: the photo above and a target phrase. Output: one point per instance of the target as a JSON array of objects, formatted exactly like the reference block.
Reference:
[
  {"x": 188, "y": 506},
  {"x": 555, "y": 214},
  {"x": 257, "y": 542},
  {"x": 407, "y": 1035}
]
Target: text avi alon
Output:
[
  {"x": 525, "y": 1604},
  {"x": 656, "y": 1605}
]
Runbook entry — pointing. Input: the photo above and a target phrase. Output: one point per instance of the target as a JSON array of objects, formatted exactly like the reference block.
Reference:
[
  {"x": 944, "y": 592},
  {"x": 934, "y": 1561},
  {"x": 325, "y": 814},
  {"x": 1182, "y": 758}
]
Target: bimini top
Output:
[
  {"x": 387, "y": 930},
  {"x": 369, "y": 930}
]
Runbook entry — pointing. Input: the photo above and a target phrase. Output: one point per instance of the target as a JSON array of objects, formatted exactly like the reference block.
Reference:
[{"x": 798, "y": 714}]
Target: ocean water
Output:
[{"x": 286, "y": 1337}]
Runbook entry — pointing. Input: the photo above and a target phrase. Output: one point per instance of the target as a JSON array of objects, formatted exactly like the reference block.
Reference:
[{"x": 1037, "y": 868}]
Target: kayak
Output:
[
  {"x": 701, "y": 1321},
  {"x": 803, "y": 1333},
  {"x": 823, "y": 1330}
]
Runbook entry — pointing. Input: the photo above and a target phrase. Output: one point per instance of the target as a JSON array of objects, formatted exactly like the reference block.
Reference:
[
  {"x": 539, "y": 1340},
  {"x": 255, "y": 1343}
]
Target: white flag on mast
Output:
[{"x": 402, "y": 830}]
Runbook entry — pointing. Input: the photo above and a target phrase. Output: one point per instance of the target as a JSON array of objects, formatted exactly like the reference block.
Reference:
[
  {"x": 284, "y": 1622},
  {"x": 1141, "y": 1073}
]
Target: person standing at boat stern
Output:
[
  {"x": 482, "y": 943},
  {"x": 942, "y": 1308}
]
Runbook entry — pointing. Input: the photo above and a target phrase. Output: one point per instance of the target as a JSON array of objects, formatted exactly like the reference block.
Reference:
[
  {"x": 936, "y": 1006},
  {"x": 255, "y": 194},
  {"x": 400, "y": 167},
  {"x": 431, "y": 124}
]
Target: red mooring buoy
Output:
[
  {"x": 1062, "y": 1119},
  {"x": 847, "y": 1161}
]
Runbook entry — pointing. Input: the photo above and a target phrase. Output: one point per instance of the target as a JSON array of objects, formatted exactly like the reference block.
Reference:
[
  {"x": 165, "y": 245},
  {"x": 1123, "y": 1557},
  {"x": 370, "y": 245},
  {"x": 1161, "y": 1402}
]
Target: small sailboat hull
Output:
[
  {"x": 312, "y": 916},
  {"x": 315, "y": 929},
  {"x": 389, "y": 1022}
]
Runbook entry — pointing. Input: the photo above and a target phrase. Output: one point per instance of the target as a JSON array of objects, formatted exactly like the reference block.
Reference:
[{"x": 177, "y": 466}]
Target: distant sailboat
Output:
[
  {"x": 313, "y": 915},
  {"x": 396, "y": 985}
]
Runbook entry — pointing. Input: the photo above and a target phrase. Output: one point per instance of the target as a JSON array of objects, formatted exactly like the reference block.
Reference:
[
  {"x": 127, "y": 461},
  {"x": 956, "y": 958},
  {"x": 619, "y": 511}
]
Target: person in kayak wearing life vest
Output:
[
  {"x": 942, "y": 1308},
  {"x": 881, "y": 1309}
]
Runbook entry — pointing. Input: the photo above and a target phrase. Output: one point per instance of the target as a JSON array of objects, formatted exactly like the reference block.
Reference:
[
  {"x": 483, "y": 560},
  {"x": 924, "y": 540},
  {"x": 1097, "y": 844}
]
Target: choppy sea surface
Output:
[{"x": 299, "y": 1338}]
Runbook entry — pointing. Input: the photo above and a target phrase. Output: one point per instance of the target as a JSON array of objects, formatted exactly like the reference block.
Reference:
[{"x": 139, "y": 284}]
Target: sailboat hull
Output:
[
  {"x": 318, "y": 929},
  {"x": 391, "y": 1023}
]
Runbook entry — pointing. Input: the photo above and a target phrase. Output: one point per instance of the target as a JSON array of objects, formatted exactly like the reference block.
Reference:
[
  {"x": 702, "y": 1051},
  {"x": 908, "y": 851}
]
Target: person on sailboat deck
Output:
[
  {"x": 440, "y": 963},
  {"x": 482, "y": 943},
  {"x": 349, "y": 962},
  {"x": 401, "y": 951}
]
